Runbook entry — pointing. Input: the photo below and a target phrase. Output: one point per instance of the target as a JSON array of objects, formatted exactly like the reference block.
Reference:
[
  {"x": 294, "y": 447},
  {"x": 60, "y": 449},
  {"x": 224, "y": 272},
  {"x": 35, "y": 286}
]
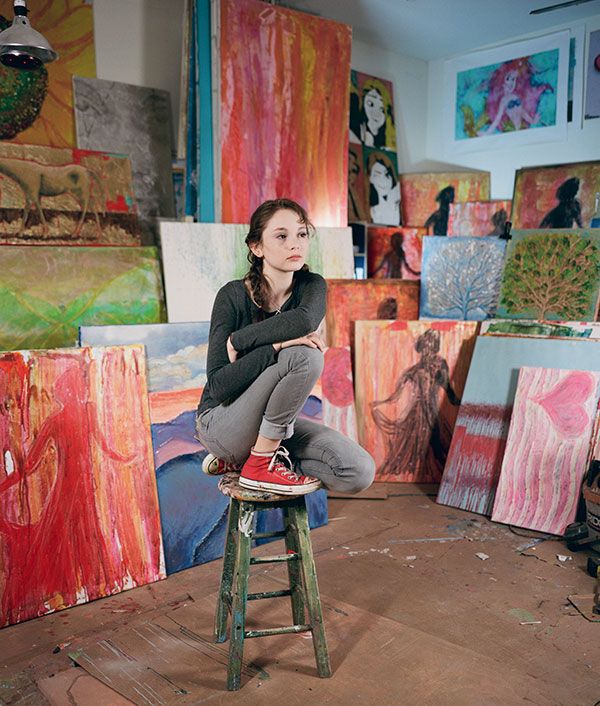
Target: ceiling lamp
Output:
[{"x": 21, "y": 47}]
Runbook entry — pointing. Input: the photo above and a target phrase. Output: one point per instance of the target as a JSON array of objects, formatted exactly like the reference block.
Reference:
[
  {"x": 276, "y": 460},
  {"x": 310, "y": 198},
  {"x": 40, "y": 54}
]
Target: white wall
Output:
[
  {"x": 580, "y": 145},
  {"x": 409, "y": 77},
  {"x": 139, "y": 42}
]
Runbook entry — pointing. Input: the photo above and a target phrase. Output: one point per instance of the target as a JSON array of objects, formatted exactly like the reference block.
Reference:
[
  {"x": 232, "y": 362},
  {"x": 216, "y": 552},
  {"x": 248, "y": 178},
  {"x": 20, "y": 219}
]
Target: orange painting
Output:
[
  {"x": 410, "y": 376},
  {"x": 394, "y": 252},
  {"x": 68, "y": 26}
]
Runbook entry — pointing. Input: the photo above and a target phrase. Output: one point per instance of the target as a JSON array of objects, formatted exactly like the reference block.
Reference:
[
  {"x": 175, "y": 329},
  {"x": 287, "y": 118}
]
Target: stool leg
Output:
[
  {"x": 224, "y": 600},
  {"x": 238, "y": 607},
  {"x": 299, "y": 519},
  {"x": 294, "y": 570}
]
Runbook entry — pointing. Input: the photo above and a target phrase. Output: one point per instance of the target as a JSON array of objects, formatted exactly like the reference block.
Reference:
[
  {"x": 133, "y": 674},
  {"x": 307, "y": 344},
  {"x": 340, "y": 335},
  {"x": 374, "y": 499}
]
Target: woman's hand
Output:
[
  {"x": 313, "y": 340},
  {"x": 232, "y": 354}
]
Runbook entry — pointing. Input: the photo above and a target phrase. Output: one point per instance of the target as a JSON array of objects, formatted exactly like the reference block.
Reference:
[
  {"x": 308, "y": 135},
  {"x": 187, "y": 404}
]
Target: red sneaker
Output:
[
  {"x": 214, "y": 466},
  {"x": 273, "y": 472}
]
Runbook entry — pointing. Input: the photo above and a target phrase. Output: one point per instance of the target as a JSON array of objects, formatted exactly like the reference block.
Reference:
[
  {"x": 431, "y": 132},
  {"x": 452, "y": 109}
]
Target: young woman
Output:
[{"x": 264, "y": 357}]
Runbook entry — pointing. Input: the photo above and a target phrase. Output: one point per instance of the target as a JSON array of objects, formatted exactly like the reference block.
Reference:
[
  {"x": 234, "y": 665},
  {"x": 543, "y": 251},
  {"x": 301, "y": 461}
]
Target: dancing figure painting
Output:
[
  {"x": 407, "y": 402},
  {"x": 478, "y": 445},
  {"x": 546, "y": 449},
  {"x": 277, "y": 137},
  {"x": 558, "y": 196},
  {"x": 478, "y": 218},
  {"x": 460, "y": 277},
  {"x": 551, "y": 274},
  {"x": 78, "y": 504},
  {"x": 394, "y": 253}
]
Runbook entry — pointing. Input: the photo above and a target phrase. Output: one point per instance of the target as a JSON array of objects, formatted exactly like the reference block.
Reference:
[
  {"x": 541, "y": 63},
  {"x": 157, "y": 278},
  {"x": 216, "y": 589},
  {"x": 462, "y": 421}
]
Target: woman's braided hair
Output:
[{"x": 255, "y": 280}]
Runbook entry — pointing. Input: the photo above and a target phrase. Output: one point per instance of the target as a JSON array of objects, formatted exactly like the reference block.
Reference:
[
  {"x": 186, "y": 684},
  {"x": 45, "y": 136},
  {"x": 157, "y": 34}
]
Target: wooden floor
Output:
[{"x": 423, "y": 605}]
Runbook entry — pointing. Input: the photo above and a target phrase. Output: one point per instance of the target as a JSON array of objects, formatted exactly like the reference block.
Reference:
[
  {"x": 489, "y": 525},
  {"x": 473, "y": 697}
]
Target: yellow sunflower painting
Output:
[{"x": 37, "y": 106}]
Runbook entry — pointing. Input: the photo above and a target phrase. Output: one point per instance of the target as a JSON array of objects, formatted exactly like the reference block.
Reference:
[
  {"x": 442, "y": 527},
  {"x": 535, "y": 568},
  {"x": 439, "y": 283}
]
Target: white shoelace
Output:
[{"x": 282, "y": 457}]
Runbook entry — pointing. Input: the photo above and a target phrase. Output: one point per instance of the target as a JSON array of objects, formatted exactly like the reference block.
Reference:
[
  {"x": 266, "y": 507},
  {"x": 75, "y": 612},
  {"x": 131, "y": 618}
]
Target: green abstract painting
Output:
[
  {"x": 47, "y": 292},
  {"x": 551, "y": 274}
]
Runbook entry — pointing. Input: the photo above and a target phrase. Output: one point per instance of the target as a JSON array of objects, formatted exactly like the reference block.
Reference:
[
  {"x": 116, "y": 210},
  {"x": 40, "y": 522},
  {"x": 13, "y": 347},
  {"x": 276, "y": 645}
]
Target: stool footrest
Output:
[
  {"x": 272, "y": 559},
  {"x": 269, "y": 594},
  {"x": 277, "y": 631},
  {"x": 268, "y": 535}
]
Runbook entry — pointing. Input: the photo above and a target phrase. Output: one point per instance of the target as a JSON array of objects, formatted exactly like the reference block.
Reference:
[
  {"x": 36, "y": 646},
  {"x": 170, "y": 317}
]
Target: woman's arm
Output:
[{"x": 297, "y": 322}]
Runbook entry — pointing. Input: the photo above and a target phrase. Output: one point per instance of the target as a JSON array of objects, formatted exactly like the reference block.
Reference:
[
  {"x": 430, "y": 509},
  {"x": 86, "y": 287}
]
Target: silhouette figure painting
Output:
[
  {"x": 568, "y": 212},
  {"x": 408, "y": 407},
  {"x": 437, "y": 223},
  {"x": 394, "y": 262}
]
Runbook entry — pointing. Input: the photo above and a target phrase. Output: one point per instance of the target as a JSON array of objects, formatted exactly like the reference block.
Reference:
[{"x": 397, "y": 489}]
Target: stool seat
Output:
[
  {"x": 229, "y": 485},
  {"x": 303, "y": 590}
]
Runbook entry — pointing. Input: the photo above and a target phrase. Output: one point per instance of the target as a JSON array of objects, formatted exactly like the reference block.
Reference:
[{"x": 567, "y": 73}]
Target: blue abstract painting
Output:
[
  {"x": 460, "y": 277},
  {"x": 193, "y": 511}
]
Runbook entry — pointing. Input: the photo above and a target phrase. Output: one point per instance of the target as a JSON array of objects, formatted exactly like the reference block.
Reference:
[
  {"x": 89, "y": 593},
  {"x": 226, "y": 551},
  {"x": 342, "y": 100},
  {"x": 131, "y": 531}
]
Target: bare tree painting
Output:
[
  {"x": 551, "y": 275},
  {"x": 460, "y": 277}
]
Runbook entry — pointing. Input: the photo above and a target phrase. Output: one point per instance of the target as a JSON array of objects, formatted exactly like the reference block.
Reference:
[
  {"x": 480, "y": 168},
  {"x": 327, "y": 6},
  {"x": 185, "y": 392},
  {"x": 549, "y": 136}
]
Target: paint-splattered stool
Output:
[{"x": 233, "y": 594}]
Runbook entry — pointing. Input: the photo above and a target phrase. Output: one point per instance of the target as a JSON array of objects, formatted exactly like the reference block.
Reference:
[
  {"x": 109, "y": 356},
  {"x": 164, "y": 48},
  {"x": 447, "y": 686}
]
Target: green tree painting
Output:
[{"x": 551, "y": 275}]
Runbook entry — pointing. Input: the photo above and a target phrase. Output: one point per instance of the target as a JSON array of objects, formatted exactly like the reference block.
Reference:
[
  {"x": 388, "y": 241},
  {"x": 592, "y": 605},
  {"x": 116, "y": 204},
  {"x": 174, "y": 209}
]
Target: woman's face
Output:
[
  {"x": 510, "y": 81},
  {"x": 284, "y": 243},
  {"x": 374, "y": 109},
  {"x": 380, "y": 177}
]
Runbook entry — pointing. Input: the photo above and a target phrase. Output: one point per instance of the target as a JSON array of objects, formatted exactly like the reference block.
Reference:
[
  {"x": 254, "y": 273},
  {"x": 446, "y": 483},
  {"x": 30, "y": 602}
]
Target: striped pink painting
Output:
[{"x": 547, "y": 448}]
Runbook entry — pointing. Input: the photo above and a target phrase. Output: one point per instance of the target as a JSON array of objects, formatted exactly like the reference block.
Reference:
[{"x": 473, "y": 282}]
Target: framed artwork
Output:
[
  {"x": 298, "y": 144},
  {"x": 513, "y": 95},
  {"x": 577, "y": 70},
  {"x": 372, "y": 112},
  {"x": 479, "y": 441},
  {"x": 546, "y": 449},
  {"x": 37, "y": 106},
  {"x": 407, "y": 400},
  {"x": 394, "y": 253},
  {"x": 79, "y": 513},
  {"x": 556, "y": 196},
  {"x": 592, "y": 87},
  {"x": 65, "y": 196},
  {"x": 460, "y": 277},
  {"x": 426, "y": 198},
  {"x": 478, "y": 218},
  {"x": 551, "y": 274},
  {"x": 382, "y": 186}
]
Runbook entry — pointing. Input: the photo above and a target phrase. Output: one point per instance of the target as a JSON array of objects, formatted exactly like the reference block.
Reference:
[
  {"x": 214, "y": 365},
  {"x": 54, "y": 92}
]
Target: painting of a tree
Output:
[
  {"x": 461, "y": 277},
  {"x": 551, "y": 275}
]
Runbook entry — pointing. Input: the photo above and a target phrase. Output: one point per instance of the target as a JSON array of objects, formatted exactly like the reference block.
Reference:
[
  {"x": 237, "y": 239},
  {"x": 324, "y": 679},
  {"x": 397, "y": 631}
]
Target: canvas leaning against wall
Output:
[
  {"x": 78, "y": 505},
  {"x": 394, "y": 253},
  {"x": 478, "y": 218},
  {"x": 372, "y": 112},
  {"x": 513, "y": 95}
]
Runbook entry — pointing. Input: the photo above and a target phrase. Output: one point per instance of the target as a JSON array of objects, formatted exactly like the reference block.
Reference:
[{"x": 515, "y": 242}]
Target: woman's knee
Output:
[
  {"x": 362, "y": 472},
  {"x": 303, "y": 355},
  {"x": 353, "y": 468}
]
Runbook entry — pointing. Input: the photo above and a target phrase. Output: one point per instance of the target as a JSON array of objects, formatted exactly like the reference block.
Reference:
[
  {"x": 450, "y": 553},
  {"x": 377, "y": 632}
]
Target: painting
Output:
[
  {"x": 511, "y": 95},
  {"x": 47, "y": 292},
  {"x": 477, "y": 449},
  {"x": 558, "y": 196},
  {"x": 592, "y": 89},
  {"x": 381, "y": 174},
  {"x": 460, "y": 277},
  {"x": 372, "y": 112},
  {"x": 546, "y": 449},
  {"x": 540, "y": 329},
  {"x": 337, "y": 390},
  {"x": 276, "y": 138},
  {"x": 132, "y": 120},
  {"x": 193, "y": 511},
  {"x": 426, "y": 198},
  {"x": 479, "y": 218},
  {"x": 551, "y": 274},
  {"x": 63, "y": 196},
  {"x": 394, "y": 253},
  {"x": 407, "y": 400},
  {"x": 78, "y": 506},
  {"x": 37, "y": 106},
  {"x": 358, "y": 209},
  {"x": 199, "y": 258}
]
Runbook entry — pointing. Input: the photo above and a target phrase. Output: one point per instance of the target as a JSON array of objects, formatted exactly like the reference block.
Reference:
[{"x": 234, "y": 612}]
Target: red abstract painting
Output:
[
  {"x": 284, "y": 110},
  {"x": 78, "y": 503},
  {"x": 394, "y": 253}
]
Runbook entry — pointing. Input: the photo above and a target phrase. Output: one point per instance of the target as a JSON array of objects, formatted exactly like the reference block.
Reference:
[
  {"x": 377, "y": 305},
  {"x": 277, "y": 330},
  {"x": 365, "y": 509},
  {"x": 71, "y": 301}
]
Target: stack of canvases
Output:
[{"x": 77, "y": 469}]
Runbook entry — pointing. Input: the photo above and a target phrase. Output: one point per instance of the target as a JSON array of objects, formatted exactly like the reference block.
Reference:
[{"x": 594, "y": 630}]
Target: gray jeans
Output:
[{"x": 269, "y": 407}]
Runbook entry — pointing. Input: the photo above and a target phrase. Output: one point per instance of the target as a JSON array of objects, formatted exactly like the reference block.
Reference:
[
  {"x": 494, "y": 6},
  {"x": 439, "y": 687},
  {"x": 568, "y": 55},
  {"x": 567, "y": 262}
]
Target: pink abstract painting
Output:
[
  {"x": 284, "y": 110},
  {"x": 547, "y": 448},
  {"x": 337, "y": 392},
  {"x": 478, "y": 218}
]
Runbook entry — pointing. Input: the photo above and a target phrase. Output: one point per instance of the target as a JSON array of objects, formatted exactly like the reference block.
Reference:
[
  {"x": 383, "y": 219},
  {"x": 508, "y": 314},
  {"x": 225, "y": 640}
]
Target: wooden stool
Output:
[{"x": 303, "y": 590}]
